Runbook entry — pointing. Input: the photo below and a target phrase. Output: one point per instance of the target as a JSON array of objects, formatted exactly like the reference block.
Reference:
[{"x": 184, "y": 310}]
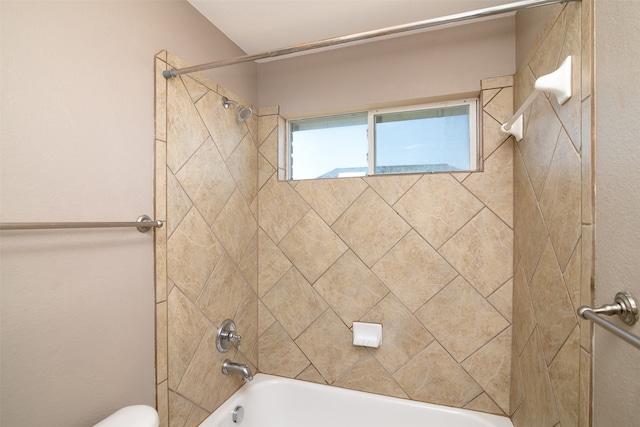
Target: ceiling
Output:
[{"x": 263, "y": 25}]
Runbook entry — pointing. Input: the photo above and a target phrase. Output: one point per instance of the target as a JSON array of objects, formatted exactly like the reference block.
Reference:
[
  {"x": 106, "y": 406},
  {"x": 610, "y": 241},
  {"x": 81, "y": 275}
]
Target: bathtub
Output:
[{"x": 270, "y": 401}]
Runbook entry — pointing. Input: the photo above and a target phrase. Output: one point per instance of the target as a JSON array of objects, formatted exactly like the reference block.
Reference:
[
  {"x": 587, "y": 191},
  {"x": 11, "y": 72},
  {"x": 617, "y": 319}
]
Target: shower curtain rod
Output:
[{"x": 450, "y": 19}]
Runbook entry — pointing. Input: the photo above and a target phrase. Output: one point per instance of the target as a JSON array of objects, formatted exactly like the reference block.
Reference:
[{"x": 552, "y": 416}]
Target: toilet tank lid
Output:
[{"x": 132, "y": 416}]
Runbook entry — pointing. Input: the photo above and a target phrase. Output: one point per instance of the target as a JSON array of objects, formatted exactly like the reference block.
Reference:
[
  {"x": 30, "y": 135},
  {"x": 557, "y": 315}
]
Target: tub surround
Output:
[
  {"x": 206, "y": 256},
  {"x": 553, "y": 228},
  {"x": 427, "y": 255}
]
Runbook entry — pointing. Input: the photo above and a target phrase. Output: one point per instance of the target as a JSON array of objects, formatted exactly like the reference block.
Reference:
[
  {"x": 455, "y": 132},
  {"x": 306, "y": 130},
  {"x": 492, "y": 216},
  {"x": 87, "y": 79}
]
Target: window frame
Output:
[{"x": 475, "y": 136}]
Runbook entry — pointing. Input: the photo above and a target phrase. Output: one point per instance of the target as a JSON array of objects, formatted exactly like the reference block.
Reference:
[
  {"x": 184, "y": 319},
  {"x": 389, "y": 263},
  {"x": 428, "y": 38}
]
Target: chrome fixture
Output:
[
  {"x": 366, "y": 35},
  {"x": 625, "y": 306},
  {"x": 144, "y": 223},
  {"x": 237, "y": 414},
  {"x": 226, "y": 336},
  {"x": 243, "y": 112},
  {"x": 229, "y": 367}
]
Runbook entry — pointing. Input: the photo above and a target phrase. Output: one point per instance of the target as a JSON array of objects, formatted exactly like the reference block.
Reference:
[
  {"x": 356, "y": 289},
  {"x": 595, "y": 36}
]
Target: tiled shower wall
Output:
[
  {"x": 429, "y": 256},
  {"x": 206, "y": 255},
  {"x": 554, "y": 232}
]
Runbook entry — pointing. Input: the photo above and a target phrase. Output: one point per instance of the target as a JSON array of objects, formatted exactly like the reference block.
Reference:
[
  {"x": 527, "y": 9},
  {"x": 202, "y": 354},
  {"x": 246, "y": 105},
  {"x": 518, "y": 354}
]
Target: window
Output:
[{"x": 439, "y": 137}]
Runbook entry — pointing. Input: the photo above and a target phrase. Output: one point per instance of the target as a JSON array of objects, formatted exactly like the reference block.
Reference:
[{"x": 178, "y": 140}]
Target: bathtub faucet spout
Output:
[{"x": 231, "y": 367}]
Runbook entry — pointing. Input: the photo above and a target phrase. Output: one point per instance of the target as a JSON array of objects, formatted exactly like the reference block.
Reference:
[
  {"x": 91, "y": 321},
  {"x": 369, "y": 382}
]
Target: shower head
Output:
[{"x": 243, "y": 112}]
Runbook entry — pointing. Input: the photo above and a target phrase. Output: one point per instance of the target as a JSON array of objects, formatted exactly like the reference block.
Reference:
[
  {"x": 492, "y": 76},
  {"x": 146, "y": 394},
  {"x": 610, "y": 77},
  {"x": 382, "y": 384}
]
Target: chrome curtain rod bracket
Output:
[
  {"x": 143, "y": 219},
  {"x": 450, "y": 19},
  {"x": 625, "y": 306}
]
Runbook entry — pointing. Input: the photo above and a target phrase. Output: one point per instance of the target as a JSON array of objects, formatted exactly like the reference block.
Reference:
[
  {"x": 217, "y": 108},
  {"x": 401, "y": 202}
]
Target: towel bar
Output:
[
  {"x": 625, "y": 306},
  {"x": 143, "y": 224}
]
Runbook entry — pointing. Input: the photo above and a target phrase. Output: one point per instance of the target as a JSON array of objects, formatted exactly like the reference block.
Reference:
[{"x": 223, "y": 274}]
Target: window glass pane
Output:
[
  {"x": 427, "y": 140},
  {"x": 328, "y": 147}
]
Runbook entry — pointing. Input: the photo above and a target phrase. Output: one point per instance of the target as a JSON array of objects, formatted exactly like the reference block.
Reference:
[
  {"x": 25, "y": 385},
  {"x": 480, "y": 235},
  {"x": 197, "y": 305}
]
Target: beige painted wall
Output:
[
  {"x": 77, "y": 145},
  {"x": 424, "y": 65},
  {"x": 617, "y": 90}
]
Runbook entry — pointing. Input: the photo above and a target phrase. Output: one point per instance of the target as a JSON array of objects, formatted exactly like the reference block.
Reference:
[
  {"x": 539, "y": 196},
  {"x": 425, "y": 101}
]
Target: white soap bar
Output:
[{"x": 367, "y": 334}]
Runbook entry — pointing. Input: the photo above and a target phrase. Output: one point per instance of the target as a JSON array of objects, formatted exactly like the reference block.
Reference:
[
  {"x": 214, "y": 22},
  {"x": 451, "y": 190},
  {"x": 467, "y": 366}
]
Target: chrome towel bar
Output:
[
  {"x": 625, "y": 306},
  {"x": 144, "y": 223}
]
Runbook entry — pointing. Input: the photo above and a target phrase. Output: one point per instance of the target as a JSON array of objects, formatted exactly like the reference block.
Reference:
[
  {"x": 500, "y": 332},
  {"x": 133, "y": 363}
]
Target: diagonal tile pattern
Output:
[
  {"x": 211, "y": 248},
  {"x": 392, "y": 250},
  {"x": 553, "y": 217}
]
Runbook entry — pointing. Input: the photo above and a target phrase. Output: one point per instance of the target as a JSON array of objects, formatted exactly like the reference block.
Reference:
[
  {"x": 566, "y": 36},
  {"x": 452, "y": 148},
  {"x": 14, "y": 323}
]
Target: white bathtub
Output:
[{"x": 270, "y": 401}]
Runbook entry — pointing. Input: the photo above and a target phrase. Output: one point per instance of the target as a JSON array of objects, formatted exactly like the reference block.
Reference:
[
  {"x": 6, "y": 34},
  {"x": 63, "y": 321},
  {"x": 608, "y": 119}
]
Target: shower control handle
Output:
[{"x": 227, "y": 337}]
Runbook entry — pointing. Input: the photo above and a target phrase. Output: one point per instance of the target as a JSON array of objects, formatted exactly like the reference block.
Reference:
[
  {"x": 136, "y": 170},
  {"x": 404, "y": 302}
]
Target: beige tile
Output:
[
  {"x": 249, "y": 263},
  {"x": 246, "y": 319},
  {"x": 272, "y": 263},
  {"x": 414, "y": 271},
  {"x": 482, "y": 251},
  {"x": 196, "y": 417},
  {"x": 437, "y": 222},
  {"x": 537, "y": 146},
  {"x": 195, "y": 89},
  {"x": 370, "y": 227},
  {"x": 571, "y": 275},
  {"x": 235, "y": 226},
  {"x": 275, "y": 346},
  {"x": 187, "y": 326},
  {"x": 570, "y": 112},
  {"x": 492, "y": 135},
  {"x": 403, "y": 336},
  {"x": 452, "y": 317},
  {"x": 546, "y": 59},
  {"x": 487, "y": 95},
  {"x": 162, "y": 403},
  {"x": 207, "y": 181},
  {"x": 279, "y": 208},
  {"x": 178, "y": 203},
  {"x": 269, "y": 148},
  {"x": 243, "y": 165},
  {"x": 294, "y": 302},
  {"x": 160, "y": 101},
  {"x": 494, "y": 187},
  {"x": 525, "y": 320},
  {"x": 350, "y": 288},
  {"x": 223, "y": 292},
  {"x": 496, "y": 82},
  {"x": 328, "y": 345},
  {"x": 516, "y": 393},
  {"x": 265, "y": 170},
  {"x": 587, "y": 48},
  {"x": 161, "y": 342},
  {"x": 587, "y": 164},
  {"x": 203, "y": 382},
  {"x": 266, "y": 125},
  {"x": 440, "y": 380},
  {"x": 501, "y": 106},
  {"x": 223, "y": 125},
  {"x": 185, "y": 130},
  {"x": 330, "y": 197},
  {"x": 554, "y": 312},
  {"x": 586, "y": 284},
  {"x": 490, "y": 367},
  {"x": 560, "y": 201},
  {"x": 268, "y": 111},
  {"x": 529, "y": 228},
  {"x": 179, "y": 409},
  {"x": 584, "y": 410},
  {"x": 502, "y": 300},
  {"x": 537, "y": 386},
  {"x": 564, "y": 373},
  {"x": 192, "y": 253},
  {"x": 483, "y": 403},
  {"x": 311, "y": 374},
  {"x": 265, "y": 318},
  {"x": 312, "y": 246},
  {"x": 391, "y": 187},
  {"x": 369, "y": 376}
]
